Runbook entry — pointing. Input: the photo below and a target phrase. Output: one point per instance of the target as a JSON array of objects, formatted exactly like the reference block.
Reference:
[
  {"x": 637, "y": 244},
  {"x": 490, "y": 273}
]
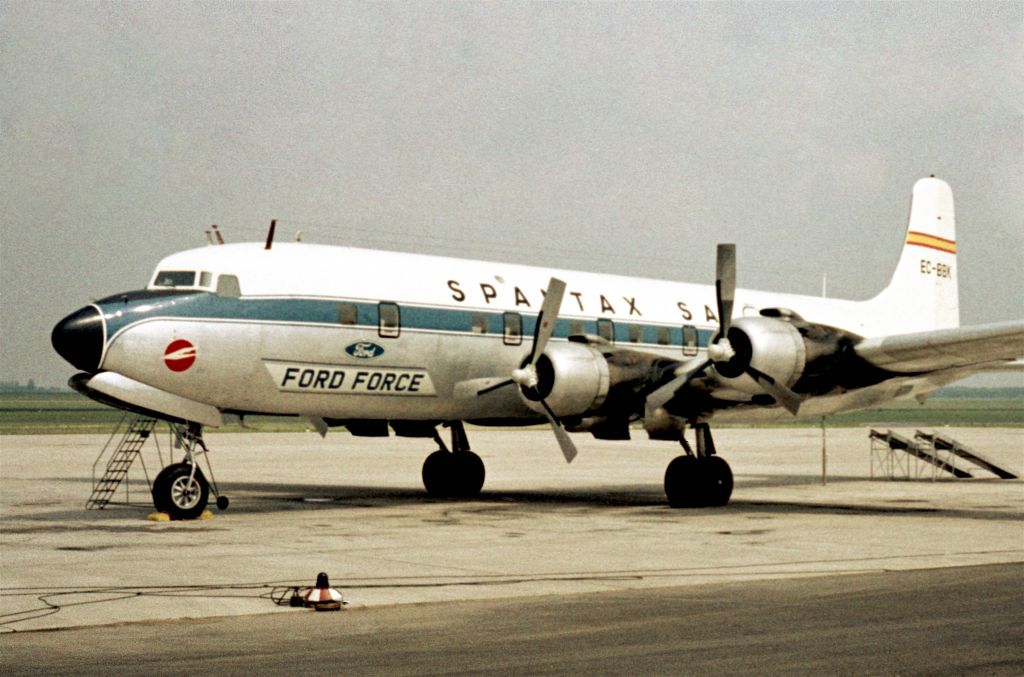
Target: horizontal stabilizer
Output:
[{"x": 979, "y": 346}]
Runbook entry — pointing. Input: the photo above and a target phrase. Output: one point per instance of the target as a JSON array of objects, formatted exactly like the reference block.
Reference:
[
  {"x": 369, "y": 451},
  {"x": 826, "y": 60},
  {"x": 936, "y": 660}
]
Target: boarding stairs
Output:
[
  {"x": 940, "y": 443},
  {"x": 895, "y": 455},
  {"x": 121, "y": 458}
]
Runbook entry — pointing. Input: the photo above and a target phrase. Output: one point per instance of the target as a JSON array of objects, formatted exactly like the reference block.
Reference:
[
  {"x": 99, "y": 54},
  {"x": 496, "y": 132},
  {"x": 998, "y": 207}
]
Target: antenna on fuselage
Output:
[
  {"x": 270, "y": 233},
  {"x": 220, "y": 238},
  {"x": 298, "y": 236},
  {"x": 209, "y": 238}
]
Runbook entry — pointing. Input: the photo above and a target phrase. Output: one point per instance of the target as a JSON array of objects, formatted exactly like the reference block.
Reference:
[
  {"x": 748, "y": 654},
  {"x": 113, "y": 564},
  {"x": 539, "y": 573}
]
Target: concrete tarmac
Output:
[
  {"x": 355, "y": 508},
  {"x": 954, "y": 621}
]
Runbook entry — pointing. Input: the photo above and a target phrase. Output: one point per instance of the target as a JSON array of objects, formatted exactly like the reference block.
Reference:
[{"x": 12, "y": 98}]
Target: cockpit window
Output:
[
  {"x": 205, "y": 279},
  {"x": 175, "y": 278}
]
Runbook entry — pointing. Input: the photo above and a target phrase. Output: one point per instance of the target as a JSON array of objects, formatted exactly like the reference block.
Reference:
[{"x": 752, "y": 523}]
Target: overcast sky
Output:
[{"x": 623, "y": 138}]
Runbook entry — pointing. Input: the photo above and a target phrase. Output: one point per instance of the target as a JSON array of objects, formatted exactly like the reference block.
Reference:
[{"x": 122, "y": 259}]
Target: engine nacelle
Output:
[
  {"x": 571, "y": 377},
  {"x": 770, "y": 346}
]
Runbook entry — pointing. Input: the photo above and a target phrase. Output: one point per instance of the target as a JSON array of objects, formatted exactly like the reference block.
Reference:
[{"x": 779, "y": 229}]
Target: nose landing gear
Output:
[{"x": 181, "y": 489}]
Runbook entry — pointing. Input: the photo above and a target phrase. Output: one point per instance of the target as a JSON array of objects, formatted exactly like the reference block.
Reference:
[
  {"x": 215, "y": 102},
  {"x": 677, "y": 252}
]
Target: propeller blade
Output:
[
  {"x": 500, "y": 384},
  {"x": 475, "y": 387},
  {"x": 568, "y": 448},
  {"x": 319, "y": 425},
  {"x": 725, "y": 286},
  {"x": 661, "y": 396},
  {"x": 547, "y": 318},
  {"x": 783, "y": 395}
]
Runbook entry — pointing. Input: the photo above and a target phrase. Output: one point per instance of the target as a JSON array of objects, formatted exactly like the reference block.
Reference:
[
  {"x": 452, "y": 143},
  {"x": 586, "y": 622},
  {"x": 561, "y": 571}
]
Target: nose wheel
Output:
[{"x": 181, "y": 489}]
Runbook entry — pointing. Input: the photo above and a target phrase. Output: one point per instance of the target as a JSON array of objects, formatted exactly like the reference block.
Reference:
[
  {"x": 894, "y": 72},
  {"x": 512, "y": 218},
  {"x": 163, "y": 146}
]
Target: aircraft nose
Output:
[{"x": 78, "y": 338}]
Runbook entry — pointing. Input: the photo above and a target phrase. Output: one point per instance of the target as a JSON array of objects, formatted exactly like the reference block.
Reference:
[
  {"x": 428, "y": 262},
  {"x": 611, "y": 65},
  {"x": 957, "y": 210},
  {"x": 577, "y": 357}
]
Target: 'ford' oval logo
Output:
[{"x": 364, "y": 350}]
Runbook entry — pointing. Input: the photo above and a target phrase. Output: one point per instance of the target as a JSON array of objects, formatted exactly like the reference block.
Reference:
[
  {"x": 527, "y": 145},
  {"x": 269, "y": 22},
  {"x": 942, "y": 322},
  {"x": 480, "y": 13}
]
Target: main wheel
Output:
[
  {"x": 467, "y": 474},
  {"x": 717, "y": 478},
  {"x": 698, "y": 482},
  {"x": 179, "y": 494},
  {"x": 437, "y": 474},
  {"x": 682, "y": 482}
]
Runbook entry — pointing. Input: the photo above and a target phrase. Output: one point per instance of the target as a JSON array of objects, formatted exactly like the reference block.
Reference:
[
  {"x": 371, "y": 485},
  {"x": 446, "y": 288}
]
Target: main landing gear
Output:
[
  {"x": 458, "y": 473},
  {"x": 698, "y": 480},
  {"x": 181, "y": 489}
]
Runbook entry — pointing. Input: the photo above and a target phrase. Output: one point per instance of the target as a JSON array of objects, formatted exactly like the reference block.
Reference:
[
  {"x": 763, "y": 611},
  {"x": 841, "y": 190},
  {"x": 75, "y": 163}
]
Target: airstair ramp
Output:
[
  {"x": 941, "y": 442},
  {"x": 120, "y": 461},
  {"x": 884, "y": 446}
]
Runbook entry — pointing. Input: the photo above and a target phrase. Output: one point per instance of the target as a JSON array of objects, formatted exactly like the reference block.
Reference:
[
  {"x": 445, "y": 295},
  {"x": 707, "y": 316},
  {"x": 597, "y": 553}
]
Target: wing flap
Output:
[{"x": 980, "y": 346}]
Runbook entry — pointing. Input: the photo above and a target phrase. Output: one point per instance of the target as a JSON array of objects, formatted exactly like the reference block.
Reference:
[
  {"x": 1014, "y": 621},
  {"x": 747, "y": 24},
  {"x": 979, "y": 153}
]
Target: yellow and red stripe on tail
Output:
[{"x": 931, "y": 241}]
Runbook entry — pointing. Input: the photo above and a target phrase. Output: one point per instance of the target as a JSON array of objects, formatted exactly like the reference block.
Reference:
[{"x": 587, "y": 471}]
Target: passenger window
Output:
[
  {"x": 576, "y": 328},
  {"x": 227, "y": 286},
  {"x": 479, "y": 323},
  {"x": 635, "y": 333},
  {"x": 606, "y": 330},
  {"x": 513, "y": 334},
  {"x": 348, "y": 313},
  {"x": 689, "y": 341},
  {"x": 664, "y": 338},
  {"x": 389, "y": 320}
]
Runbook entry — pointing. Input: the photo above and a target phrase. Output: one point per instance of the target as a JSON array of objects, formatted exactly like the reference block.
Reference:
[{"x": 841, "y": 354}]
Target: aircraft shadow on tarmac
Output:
[
  {"x": 269, "y": 497},
  {"x": 273, "y": 497}
]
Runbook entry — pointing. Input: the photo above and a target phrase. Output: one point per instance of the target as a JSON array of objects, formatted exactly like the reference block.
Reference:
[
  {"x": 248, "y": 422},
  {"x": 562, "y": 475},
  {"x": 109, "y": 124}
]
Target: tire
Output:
[
  {"x": 161, "y": 489},
  {"x": 438, "y": 469},
  {"x": 174, "y": 494},
  {"x": 682, "y": 482},
  {"x": 468, "y": 474},
  {"x": 717, "y": 477}
]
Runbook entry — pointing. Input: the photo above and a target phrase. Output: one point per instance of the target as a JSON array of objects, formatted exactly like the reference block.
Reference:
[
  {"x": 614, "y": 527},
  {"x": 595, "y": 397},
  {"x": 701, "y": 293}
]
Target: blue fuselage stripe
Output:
[{"x": 204, "y": 305}]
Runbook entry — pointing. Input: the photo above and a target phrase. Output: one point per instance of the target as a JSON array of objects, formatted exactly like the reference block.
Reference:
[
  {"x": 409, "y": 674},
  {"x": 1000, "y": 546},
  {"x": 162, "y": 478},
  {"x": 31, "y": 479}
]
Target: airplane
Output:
[{"x": 379, "y": 342}]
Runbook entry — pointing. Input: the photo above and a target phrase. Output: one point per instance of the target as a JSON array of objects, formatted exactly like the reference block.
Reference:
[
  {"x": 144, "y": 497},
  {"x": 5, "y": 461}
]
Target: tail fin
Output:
[{"x": 922, "y": 294}]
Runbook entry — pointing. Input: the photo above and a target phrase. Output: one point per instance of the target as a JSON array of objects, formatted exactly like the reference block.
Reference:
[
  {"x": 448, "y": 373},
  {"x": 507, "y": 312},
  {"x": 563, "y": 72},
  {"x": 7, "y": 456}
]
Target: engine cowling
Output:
[
  {"x": 768, "y": 345},
  {"x": 572, "y": 378}
]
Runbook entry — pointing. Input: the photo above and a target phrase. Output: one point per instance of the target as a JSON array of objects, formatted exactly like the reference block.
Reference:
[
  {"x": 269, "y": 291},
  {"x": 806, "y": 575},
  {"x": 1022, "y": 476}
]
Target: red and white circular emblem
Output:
[{"x": 180, "y": 355}]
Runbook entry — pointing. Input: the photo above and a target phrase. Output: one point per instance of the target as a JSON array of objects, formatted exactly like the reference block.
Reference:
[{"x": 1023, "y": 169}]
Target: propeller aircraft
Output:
[{"x": 379, "y": 342}]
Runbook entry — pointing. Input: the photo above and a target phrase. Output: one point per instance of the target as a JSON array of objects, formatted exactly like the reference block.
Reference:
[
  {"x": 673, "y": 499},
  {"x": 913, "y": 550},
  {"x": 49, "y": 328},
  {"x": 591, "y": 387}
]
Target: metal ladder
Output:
[
  {"x": 139, "y": 429},
  {"x": 943, "y": 443},
  {"x": 884, "y": 448}
]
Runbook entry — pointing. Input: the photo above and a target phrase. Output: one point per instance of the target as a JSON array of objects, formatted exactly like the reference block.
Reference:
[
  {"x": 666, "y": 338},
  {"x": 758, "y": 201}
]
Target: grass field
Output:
[
  {"x": 54, "y": 413},
  {"x": 57, "y": 413}
]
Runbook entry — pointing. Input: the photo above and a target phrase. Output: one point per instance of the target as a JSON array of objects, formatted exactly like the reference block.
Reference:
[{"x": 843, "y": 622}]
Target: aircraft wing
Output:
[{"x": 982, "y": 346}]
